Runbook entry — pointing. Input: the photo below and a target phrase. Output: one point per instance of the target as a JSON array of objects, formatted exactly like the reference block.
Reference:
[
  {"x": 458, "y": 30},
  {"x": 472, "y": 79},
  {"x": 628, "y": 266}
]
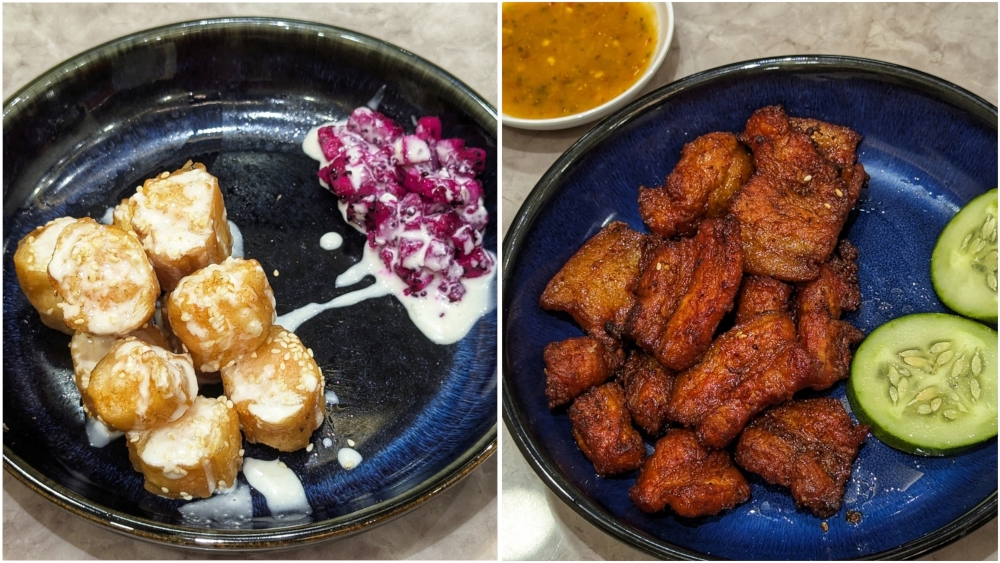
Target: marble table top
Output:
[
  {"x": 461, "y": 522},
  {"x": 956, "y": 42}
]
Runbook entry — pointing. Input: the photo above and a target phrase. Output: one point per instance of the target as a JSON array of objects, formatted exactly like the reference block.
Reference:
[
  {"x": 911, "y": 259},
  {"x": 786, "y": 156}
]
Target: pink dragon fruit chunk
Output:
[
  {"x": 374, "y": 127},
  {"x": 476, "y": 263},
  {"x": 410, "y": 149},
  {"x": 329, "y": 142},
  {"x": 429, "y": 128}
]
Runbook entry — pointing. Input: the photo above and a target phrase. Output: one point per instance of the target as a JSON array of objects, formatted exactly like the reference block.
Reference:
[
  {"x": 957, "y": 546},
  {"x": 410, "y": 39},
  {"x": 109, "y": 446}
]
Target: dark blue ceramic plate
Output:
[
  {"x": 239, "y": 96},
  {"x": 928, "y": 145}
]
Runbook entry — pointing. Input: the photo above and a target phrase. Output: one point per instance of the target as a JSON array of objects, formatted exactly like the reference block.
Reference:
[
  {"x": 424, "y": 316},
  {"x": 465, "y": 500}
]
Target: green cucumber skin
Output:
[
  {"x": 944, "y": 277},
  {"x": 861, "y": 369}
]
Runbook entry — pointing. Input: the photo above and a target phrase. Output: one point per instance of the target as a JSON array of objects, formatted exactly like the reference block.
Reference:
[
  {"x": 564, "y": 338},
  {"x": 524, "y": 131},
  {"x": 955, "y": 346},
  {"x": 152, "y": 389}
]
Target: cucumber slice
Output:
[
  {"x": 927, "y": 383},
  {"x": 964, "y": 263}
]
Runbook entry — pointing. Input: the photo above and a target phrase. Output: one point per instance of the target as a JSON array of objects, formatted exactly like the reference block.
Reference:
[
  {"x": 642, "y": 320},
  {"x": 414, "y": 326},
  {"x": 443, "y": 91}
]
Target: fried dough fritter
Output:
[
  {"x": 676, "y": 321},
  {"x": 710, "y": 170},
  {"x": 648, "y": 386},
  {"x": 819, "y": 304},
  {"x": 691, "y": 480},
  {"x": 576, "y": 364},
  {"x": 761, "y": 294},
  {"x": 793, "y": 207},
  {"x": 754, "y": 365},
  {"x": 31, "y": 264},
  {"x": 595, "y": 285},
  {"x": 603, "y": 430},
  {"x": 807, "y": 446}
]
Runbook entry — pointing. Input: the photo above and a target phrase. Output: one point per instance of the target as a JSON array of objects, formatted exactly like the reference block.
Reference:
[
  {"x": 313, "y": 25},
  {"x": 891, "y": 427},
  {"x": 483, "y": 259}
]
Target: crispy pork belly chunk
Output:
[
  {"x": 647, "y": 389},
  {"x": 750, "y": 367},
  {"x": 138, "y": 386},
  {"x": 793, "y": 207},
  {"x": 576, "y": 364},
  {"x": 674, "y": 320},
  {"x": 836, "y": 143},
  {"x": 711, "y": 169},
  {"x": 819, "y": 305},
  {"x": 692, "y": 480},
  {"x": 180, "y": 219},
  {"x": 193, "y": 456},
  {"x": 807, "y": 446},
  {"x": 222, "y": 312},
  {"x": 31, "y": 264},
  {"x": 106, "y": 282},
  {"x": 595, "y": 285},
  {"x": 761, "y": 294},
  {"x": 278, "y": 391},
  {"x": 603, "y": 430}
]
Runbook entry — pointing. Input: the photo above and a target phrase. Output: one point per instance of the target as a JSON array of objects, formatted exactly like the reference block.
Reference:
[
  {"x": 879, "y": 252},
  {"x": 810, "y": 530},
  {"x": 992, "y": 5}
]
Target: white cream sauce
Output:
[
  {"x": 441, "y": 321},
  {"x": 99, "y": 435},
  {"x": 237, "y": 240},
  {"x": 234, "y": 504},
  {"x": 280, "y": 486},
  {"x": 348, "y": 458},
  {"x": 331, "y": 241},
  {"x": 331, "y": 398}
]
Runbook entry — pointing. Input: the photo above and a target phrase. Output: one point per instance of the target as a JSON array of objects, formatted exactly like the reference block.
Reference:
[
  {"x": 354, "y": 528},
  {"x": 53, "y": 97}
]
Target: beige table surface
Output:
[
  {"x": 461, "y": 523},
  {"x": 957, "y": 42}
]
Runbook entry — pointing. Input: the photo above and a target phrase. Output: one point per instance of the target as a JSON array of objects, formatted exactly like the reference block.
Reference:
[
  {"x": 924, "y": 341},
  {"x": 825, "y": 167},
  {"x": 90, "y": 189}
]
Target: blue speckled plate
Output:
[
  {"x": 239, "y": 96},
  {"x": 928, "y": 145}
]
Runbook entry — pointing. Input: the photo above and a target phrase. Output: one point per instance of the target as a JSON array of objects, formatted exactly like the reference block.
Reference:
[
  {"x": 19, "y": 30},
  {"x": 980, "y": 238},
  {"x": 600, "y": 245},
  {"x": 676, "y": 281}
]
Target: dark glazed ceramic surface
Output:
[
  {"x": 929, "y": 147},
  {"x": 239, "y": 96}
]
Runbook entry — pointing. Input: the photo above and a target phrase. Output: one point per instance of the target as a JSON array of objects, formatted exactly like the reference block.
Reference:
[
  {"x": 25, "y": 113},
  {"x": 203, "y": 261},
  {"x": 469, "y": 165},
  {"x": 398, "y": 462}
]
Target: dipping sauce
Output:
[{"x": 563, "y": 58}]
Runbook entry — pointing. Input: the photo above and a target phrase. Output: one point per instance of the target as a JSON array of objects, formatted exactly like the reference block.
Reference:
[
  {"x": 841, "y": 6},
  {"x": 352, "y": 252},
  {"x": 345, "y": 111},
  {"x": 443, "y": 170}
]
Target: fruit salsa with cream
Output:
[{"x": 416, "y": 197}]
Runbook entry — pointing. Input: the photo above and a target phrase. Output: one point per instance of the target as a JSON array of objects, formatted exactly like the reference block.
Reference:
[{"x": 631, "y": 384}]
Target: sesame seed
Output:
[
  {"x": 826, "y": 205},
  {"x": 164, "y": 489},
  {"x": 807, "y": 178},
  {"x": 309, "y": 448},
  {"x": 839, "y": 193}
]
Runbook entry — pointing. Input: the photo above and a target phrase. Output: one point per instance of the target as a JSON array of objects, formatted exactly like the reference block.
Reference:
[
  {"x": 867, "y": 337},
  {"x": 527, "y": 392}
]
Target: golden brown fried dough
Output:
[
  {"x": 86, "y": 350},
  {"x": 711, "y": 169},
  {"x": 752, "y": 366},
  {"x": 31, "y": 264},
  {"x": 576, "y": 364},
  {"x": 807, "y": 446},
  {"x": 761, "y": 294},
  {"x": 180, "y": 219},
  {"x": 595, "y": 285},
  {"x": 818, "y": 306},
  {"x": 793, "y": 207},
  {"x": 603, "y": 430},
  {"x": 648, "y": 386},
  {"x": 222, "y": 312},
  {"x": 138, "y": 386},
  {"x": 690, "y": 479},
  {"x": 278, "y": 391},
  {"x": 193, "y": 456},
  {"x": 106, "y": 282}
]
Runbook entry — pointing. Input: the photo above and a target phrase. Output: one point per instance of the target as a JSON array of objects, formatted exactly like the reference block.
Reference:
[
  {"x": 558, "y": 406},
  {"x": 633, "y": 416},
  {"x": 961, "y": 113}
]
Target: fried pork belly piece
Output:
[
  {"x": 647, "y": 389},
  {"x": 819, "y": 305},
  {"x": 793, "y": 207},
  {"x": 86, "y": 350},
  {"x": 807, "y": 446},
  {"x": 193, "y": 456},
  {"x": 222, "y": 312},
  {"x": 836, "y": 143},
  {"x": 138, "y": 386},
  {"x": 761, "y": 294},
  {"x": 603, "y": 430},
  {"x": 180, "y": 219},
  {"x": 752, "y": 366},
  {"x": 595, "y": 285},
  {"x": 690, "y": 479},
  {"x": 106, "y": 282},
  {"x": 278, "y": 391},
  {"x": 576, "y": 364},
  {"x": 31, "y": 264},
  {"x": 711, "y": 169},
  {"x": 675, "y": 320}
]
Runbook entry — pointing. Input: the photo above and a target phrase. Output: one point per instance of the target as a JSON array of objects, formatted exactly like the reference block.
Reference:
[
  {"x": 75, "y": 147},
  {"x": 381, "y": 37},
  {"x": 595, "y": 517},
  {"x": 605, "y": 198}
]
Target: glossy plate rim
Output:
[
  {"x": 514, "y": 421},
  {"x": 291, "y": 536}
]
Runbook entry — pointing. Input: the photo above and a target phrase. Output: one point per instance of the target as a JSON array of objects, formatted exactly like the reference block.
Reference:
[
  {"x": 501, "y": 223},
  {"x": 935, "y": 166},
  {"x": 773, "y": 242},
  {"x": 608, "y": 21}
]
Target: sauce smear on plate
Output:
[{"x": 563, "y": 58}]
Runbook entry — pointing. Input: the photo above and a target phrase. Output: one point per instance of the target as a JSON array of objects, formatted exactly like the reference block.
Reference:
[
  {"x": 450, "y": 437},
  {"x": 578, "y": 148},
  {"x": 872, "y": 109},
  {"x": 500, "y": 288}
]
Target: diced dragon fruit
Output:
[
  {"x": 476, "y": 263},
  {"x": 429, "y": 128},
  {"x": 410, "y": 149},
  {"x": 374, "y": 127},
  {"x": 329, "y": 142}
]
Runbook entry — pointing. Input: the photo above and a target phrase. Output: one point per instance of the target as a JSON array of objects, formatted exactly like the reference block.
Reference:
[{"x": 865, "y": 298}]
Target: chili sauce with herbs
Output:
[{"x": 562, "y": 58}]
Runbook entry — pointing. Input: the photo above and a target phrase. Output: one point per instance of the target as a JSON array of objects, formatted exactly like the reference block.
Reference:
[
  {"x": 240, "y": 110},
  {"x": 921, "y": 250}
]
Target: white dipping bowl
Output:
[{"x": 665, "y": 33}]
